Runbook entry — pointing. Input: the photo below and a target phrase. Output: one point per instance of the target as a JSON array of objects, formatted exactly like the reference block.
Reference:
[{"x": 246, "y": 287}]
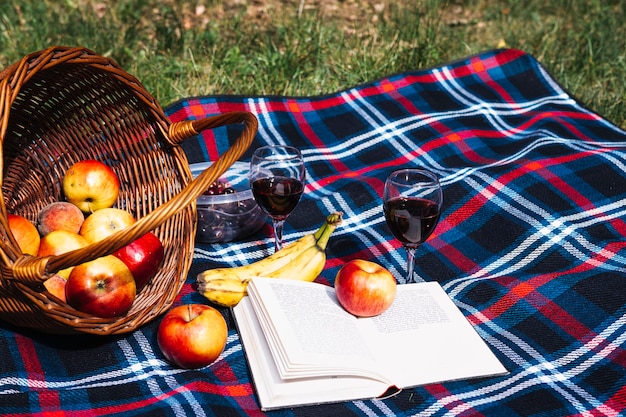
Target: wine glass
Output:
[
  {"x": 412, "y": 201},
  {"x": 277, "y": 181}
]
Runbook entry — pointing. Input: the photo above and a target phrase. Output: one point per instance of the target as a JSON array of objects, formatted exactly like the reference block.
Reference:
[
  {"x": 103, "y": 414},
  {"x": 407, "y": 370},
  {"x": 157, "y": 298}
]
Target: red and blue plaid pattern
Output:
[{"x": 530, "y": 246}]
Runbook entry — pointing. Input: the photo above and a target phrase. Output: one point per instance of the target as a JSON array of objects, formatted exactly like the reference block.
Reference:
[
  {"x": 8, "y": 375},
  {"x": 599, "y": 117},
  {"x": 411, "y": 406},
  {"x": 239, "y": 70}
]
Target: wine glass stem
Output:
[
  {"x": 278, "y": 234},
  {"x": 410, "y": 264}
]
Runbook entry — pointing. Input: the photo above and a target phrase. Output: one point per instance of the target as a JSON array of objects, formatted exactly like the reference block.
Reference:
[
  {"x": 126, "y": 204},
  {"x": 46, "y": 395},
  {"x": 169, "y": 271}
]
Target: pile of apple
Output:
[{"x": 107, "y": 286}]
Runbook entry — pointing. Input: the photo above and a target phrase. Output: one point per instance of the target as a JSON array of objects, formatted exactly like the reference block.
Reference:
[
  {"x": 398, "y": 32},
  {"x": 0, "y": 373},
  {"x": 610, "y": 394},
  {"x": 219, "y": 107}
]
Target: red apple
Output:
[
  {"x": 104, "y": 223},
  {"x": 56, "y": 286},
  {"x": 59, "y": 242},
  {"x": 103, "y": 287},
  {"x": 91, "y": 185},
  {"x": 60, "y": 215},
  {"x": 25, "y": 234},
  {"x": 365, "y": 288},
  {"x": 192, "y": 335},
  {"x": 143, "y": 257}
]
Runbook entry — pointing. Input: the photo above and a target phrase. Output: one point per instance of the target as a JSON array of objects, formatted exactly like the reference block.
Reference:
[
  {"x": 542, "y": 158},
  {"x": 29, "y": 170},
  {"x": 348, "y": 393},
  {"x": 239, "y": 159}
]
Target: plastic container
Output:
[{"x": 228, "y": 217}]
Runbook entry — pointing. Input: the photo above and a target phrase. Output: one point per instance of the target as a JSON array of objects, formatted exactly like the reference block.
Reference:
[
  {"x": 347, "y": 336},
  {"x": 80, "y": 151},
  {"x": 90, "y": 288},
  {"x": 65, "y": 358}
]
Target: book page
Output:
[
  {"x": 276, "y": 392},
  {"x": 424, "y": 338},
  {"x": 308, "y": 332}
]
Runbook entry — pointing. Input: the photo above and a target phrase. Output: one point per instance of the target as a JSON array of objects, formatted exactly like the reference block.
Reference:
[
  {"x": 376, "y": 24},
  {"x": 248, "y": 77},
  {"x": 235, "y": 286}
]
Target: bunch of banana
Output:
[{"x": 303, "y": 260}]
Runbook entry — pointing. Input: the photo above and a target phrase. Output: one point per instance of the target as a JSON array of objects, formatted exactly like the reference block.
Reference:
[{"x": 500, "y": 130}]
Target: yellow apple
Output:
[
  {"x": 91, "y": 185},
  {"x": 59, "y": 242},
  {"x": 104, "y": 223}
]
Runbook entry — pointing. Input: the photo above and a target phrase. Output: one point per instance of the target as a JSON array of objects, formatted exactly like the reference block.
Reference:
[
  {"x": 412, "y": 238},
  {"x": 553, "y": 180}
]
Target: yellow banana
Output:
[
  {"x": 223, "y": 291},
  {"x": 309, "y": 264},
  {"x": 303, "y": 260},
  {"x": 274, "y": 261},
  {"x": 306, "y": 267}
]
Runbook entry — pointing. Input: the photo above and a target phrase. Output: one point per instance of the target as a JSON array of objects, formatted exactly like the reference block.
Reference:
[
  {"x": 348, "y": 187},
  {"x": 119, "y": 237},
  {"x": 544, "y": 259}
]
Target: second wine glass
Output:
[
  {"x": 277, "y": 180},
  {"x": 412, "y": 201}
]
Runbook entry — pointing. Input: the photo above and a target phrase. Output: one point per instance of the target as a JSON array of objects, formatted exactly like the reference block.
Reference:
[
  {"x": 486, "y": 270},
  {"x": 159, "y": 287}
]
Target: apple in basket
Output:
[
  {"x": 192, "y": 336},
  {"x": 143, "y": 257},
  {"x": 25, "y": 233},
  {"x": 105, "y": 222},
  {"x": 56, "y": 286},
  {"x": 91, "y": 185},
  {"x": 59, "y": 215},
  {"x": 59, "y": 242},
  {"x": 364, "y": 288},
  {"x": 103, "y": 287}
]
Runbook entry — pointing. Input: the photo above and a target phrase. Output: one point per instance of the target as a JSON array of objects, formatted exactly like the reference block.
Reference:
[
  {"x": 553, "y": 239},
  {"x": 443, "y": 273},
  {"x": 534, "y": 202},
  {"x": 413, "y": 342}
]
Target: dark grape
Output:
[{"x": 219, "y": 187}]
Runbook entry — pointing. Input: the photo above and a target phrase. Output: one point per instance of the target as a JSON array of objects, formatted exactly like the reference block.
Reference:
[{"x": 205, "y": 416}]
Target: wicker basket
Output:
[{"x": 62, "y": 105}]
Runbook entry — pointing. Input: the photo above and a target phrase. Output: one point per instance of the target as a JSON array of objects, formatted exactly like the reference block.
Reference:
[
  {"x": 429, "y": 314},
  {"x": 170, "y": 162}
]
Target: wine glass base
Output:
[{"x": 416, "y": 278}]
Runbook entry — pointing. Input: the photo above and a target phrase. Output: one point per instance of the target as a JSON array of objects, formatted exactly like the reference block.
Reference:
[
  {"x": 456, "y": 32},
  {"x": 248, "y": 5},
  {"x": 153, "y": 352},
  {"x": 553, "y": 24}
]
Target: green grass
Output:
[{"x": 580, "y": 42}]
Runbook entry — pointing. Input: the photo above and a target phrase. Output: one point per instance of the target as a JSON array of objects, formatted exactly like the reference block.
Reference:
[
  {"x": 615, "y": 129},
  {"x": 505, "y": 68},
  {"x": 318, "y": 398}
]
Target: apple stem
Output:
[
  {"x": 190, "y": 313},
  {"x": 323, "y": 234}
]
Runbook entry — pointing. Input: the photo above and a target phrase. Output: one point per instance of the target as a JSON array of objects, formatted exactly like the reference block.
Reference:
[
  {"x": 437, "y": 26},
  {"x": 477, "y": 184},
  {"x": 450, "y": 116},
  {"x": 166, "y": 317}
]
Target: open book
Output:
[{"x": 304, "y": 348}]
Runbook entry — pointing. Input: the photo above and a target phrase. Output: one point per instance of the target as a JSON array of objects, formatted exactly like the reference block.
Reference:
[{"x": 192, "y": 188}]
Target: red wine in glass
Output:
[
  {"x": 277, "y": 196},
  {"x": 411, "y": 219},
  {"x": 277, "y": 181},
  {"x": 412, "y": 200}
]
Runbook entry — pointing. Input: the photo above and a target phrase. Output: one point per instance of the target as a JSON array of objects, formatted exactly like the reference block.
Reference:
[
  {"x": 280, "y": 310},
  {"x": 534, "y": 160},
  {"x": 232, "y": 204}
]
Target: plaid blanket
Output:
[{"x": 530, "y": 247}]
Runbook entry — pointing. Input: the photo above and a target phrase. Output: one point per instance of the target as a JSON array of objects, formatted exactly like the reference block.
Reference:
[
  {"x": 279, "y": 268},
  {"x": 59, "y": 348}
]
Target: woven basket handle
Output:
[{"x": 30, "y": 269}]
